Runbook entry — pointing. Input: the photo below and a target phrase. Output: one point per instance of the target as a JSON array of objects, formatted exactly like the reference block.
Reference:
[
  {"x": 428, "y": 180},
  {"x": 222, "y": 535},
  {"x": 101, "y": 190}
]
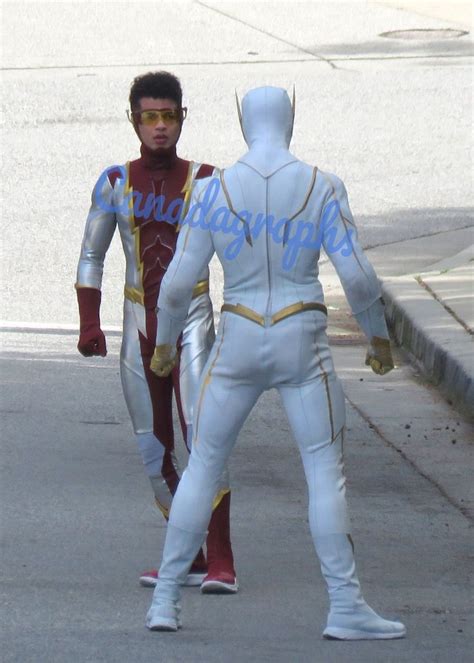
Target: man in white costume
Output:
[{"x": 267, "y": 217}]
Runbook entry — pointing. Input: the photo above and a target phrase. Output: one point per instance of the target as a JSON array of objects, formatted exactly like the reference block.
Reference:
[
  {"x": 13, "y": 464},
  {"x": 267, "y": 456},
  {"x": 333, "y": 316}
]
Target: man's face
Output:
[{"x": 161, "y": 133}]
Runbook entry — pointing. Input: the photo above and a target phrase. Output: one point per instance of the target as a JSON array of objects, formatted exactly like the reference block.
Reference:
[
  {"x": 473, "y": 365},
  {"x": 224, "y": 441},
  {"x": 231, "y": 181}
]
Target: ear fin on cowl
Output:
[
  {"x": 239, "y": 112},
  {"x": 293, "y": 109}
]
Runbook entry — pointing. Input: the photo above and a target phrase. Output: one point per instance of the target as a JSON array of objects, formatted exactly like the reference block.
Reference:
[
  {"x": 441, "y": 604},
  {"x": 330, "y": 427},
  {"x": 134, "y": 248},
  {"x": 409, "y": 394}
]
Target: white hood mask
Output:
[{"x": 267, "y": 125}]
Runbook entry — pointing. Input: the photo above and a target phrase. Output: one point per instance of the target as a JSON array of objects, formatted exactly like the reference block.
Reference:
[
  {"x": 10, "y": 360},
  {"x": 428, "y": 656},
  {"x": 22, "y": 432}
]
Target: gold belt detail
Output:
[
  {"x": 245, "y": 312},
  {"x": 138, "y": 297},
  {"x": 297, "y": 308},
  {"x": 200, "y": 288}
]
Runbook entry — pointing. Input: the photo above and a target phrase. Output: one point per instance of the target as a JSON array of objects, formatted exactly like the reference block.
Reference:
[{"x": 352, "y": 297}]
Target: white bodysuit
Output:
[{"x": 272, "y": 331}]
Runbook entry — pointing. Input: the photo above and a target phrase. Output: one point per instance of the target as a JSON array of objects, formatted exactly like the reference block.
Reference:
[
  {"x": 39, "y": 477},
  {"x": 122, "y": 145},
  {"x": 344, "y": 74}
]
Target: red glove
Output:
[{"x": 91, "y": 338}]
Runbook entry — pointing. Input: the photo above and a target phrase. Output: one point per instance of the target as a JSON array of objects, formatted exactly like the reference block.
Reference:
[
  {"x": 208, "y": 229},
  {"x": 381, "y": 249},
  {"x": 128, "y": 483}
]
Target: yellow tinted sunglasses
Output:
[{"x": 151, "y": 117}]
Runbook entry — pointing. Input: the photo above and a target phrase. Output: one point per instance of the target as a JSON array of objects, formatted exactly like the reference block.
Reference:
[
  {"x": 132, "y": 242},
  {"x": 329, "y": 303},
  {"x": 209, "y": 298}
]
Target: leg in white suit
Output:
[{"x": 250, "y": 360}]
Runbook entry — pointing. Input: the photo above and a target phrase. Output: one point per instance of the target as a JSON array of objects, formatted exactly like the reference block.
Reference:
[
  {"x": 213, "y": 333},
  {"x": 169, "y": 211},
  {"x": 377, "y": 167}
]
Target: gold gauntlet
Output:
[
  {"x": 162, "y": 363},
  {"x": 379, "y": 356}
]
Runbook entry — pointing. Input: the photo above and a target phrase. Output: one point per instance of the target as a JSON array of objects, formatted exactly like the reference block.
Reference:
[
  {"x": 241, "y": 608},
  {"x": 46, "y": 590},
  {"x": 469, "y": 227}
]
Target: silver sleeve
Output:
[{"x": 98, "y": 233}]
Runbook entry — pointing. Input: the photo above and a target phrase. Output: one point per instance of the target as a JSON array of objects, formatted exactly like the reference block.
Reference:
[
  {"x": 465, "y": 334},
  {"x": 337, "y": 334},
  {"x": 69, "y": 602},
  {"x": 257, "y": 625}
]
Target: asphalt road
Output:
[{"x": 79, "y": 524}]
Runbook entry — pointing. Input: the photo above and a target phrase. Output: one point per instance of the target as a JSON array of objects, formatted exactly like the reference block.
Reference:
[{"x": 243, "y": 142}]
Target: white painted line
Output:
[
  {"x": 51, "y": 328},
  {"x": 62, "y": 360}
]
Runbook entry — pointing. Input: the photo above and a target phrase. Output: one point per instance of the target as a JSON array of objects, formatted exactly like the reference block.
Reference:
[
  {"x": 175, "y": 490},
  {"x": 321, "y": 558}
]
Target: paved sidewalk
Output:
[{"x": 431, "y": 314}]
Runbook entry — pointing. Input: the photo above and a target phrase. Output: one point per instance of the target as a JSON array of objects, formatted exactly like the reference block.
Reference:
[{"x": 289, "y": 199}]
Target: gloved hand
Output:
[
  {"x": 91, "y": 338},
  {"x": 163, "y": 362},
  {"x": 379, "y": 355}
]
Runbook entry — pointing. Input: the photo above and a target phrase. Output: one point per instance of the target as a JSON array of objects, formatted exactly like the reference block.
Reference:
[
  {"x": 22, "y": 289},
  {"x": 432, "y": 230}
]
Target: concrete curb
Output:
[{"x": 422, "y": 325}]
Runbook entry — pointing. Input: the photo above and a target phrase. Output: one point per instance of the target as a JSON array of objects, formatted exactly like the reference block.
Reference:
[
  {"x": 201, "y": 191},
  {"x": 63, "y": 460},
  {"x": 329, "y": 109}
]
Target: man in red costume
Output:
[{"x": 146, "y": 199}]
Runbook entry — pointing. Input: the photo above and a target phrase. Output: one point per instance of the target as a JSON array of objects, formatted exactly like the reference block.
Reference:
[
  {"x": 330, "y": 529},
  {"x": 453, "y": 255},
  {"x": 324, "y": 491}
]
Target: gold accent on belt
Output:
[
  {"x": 200, "y": 288},
  {"x": 134, "y": 295},
  {"x": 298, "y": 308},
  {"x": 245, "y": 312}
]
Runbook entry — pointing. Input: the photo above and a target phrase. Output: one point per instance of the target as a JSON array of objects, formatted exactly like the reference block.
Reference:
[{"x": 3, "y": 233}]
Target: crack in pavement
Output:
[
  {"x": 452, "y": 313},
  {"x": 465, "y": 512},
  {"x": 369, "y": 247},
  {"x": 268, "y": 34},
  {"x": 315, "y": 59},
  {"x": 401, "y": 57},
  {"x": 177, "y": 63}
]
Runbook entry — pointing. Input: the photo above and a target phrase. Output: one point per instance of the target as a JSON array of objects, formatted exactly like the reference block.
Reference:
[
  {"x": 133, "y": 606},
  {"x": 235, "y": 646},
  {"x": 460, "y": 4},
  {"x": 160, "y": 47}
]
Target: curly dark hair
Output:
[{"x": 158, "y": 85}]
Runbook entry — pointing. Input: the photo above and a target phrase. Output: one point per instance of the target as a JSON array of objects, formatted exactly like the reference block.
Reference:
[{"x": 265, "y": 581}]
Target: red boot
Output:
[
  {"x": 196, "y": 574},
  {"x": 221, "y": 577}
]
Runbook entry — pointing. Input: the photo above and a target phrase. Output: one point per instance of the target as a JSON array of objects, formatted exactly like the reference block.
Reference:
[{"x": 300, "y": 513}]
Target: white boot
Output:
[
  {"x": 180, "y": 549},
  {"x": 350, "y": 618},
  {"x": 164, "y": 616}
]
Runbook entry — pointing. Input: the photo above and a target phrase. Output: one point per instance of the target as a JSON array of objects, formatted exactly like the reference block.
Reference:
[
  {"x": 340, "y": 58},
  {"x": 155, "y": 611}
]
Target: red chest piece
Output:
[{"x": 158, "y": 201}]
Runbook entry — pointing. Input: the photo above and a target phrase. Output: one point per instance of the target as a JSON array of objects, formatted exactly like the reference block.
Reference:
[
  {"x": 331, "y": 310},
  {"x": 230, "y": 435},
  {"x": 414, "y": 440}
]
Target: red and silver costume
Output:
[{"x": 137, "y": 198}]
